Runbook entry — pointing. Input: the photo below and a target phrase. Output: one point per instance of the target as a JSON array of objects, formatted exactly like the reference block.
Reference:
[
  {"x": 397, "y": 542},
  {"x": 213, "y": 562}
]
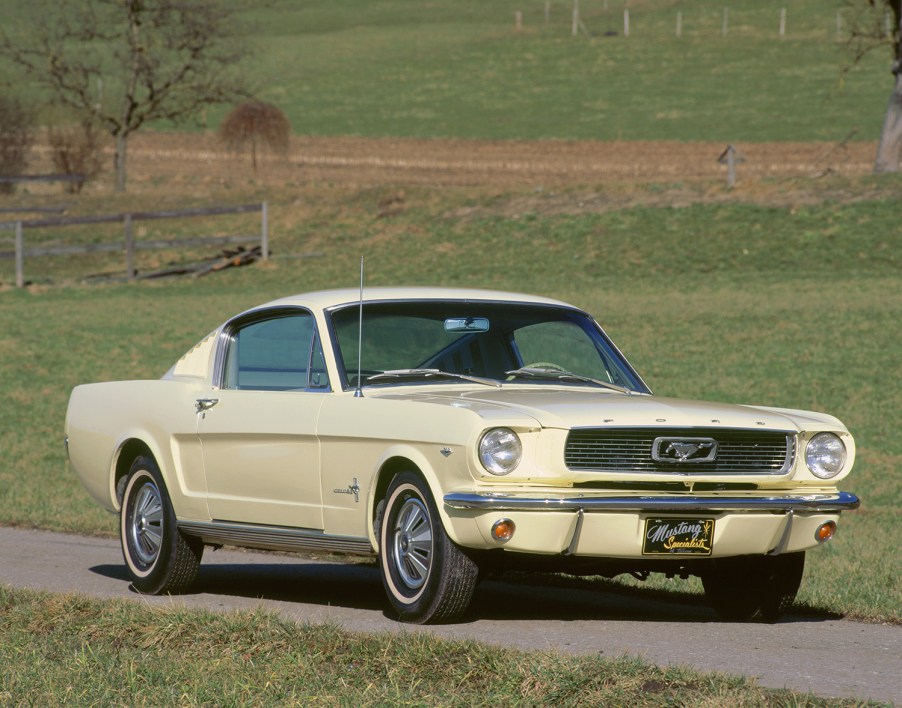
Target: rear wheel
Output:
[
  {"x": 426, "y": 577},
  {"x": 159, "y": 558},
  {"x": 753, "y": 587}
]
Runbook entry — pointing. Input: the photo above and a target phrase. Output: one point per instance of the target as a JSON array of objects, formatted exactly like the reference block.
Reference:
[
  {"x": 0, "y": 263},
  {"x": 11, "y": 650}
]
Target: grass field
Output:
[
  {"x": 461, "y": 70},
  {"x": 458, "y": 68}
]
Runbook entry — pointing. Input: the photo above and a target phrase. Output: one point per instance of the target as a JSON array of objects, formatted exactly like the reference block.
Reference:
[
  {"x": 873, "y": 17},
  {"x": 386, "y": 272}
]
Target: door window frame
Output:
[{"x": 228, "y": 337}]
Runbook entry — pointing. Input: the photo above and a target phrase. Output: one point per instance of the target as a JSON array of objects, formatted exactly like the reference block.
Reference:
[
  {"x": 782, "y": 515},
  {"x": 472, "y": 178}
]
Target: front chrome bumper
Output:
[{"x": 840, "y": 501}]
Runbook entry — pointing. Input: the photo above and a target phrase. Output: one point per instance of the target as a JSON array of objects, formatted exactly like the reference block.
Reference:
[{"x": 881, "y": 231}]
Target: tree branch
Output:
[{"x": 154, "y": 59}]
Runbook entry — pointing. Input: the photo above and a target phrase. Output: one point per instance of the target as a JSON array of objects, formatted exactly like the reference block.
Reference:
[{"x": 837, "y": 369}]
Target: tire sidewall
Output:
[
  {"x": 409, "y": 602},
  {"x": 754, "y": 588},
  {"x": 784, "y": 576},
  {"x": 146, "y": 577}
]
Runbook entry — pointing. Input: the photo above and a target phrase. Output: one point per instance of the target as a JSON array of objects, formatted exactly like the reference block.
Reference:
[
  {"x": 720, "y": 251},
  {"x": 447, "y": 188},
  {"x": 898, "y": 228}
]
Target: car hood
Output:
[{"x": 557, "y": 407}]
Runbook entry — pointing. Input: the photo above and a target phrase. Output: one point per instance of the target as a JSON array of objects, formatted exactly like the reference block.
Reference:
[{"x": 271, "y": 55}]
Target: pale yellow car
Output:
[{"x": 453, "y": 433}]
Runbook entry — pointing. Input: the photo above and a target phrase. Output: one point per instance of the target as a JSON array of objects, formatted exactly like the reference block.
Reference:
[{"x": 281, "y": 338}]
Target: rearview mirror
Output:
[{"x": 467, "y": 324}]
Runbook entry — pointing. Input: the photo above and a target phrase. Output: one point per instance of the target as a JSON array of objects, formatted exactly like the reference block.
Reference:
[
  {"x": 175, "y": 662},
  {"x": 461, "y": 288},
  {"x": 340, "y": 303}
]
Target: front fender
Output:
[{"x": 442, "y": 468}]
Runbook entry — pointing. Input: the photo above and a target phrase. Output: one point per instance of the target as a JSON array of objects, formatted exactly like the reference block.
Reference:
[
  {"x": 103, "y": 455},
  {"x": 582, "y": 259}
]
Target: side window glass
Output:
[
  {"x": 318, "y": 377},
  {"x": 275, "y": 355}
]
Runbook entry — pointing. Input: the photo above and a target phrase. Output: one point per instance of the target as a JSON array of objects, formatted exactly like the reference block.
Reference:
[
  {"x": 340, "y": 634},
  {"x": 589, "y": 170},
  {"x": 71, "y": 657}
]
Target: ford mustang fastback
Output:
[{"x": 453, "y": 433}]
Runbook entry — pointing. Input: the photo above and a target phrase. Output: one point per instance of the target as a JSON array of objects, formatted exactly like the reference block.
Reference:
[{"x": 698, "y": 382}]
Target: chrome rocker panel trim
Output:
[
  {"x": 841, "y": 501},
  {"x": 272, "y": 538}
]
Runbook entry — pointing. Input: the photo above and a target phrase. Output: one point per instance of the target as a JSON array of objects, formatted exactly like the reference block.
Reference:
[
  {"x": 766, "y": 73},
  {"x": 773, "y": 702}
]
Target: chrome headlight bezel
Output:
[
  {"x": 825, "y": 455},
  {"x": 500, "y": 451}
]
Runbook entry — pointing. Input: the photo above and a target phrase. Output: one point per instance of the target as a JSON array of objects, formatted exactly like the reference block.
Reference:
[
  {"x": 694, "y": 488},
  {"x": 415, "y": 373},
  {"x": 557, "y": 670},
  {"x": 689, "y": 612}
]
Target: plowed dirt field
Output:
[{"x": 373, "y": 161}]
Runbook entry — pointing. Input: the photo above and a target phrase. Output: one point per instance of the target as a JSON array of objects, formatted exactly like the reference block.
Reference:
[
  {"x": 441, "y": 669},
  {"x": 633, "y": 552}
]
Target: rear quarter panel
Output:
[{"x": 103, "y": 417}]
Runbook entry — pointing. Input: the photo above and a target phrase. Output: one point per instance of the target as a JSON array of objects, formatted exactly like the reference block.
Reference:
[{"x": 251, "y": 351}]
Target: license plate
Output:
[{"x": 671, "y": 537}]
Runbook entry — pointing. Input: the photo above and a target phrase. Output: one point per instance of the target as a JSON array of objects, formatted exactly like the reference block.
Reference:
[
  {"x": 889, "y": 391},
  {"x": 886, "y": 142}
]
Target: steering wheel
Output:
[{"x": 546, "y": 365}]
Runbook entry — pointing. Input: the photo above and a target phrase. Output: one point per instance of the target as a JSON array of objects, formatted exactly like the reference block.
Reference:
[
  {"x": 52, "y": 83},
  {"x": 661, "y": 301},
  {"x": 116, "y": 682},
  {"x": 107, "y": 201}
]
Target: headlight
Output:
[
  {"x": 500, "y": 451},
  {"x": 825, "y": 455}
]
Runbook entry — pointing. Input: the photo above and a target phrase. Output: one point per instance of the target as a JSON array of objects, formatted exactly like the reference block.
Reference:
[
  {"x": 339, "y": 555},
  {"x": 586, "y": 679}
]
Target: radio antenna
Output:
[{"x": 359, "y": 392}]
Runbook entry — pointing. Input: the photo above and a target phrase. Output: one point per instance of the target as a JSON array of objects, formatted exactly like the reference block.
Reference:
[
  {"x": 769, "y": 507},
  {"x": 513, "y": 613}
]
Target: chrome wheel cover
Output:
[
  {"x": 412, "y": 543},
  {"x": 145, "y": 523}
]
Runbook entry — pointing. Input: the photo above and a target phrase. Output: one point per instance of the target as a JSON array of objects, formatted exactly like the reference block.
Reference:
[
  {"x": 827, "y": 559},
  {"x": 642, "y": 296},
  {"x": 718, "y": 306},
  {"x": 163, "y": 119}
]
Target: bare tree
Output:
[
  {"x": 888, "y": 151},
  {"x": 255, "y": 124},
  {"x": 876, "y": 23},
  {"x": 129, "y": 62}
]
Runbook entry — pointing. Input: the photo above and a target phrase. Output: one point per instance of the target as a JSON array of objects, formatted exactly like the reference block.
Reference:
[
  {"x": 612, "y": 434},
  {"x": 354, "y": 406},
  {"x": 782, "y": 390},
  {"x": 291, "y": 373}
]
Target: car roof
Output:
[{"x": 326, "y": 299}]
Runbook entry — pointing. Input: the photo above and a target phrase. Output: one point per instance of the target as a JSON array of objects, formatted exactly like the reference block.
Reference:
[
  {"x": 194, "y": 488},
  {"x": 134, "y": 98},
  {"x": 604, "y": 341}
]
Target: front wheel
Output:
[
  {"x": 159, "y": 558},
  {"x": 426, "y": 577},
  {"x": 753, "y": 587}
]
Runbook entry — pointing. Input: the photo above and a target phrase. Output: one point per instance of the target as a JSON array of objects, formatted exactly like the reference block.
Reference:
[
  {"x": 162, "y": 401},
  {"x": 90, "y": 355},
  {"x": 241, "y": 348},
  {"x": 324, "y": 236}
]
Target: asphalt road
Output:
[{"x": 831, "y": 658}]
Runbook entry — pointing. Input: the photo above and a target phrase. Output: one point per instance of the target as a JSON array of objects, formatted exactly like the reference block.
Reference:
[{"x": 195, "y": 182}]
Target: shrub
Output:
[
  {"x": 255, "y": 125},
  {"x": 15, "y": 140},
  {"x": 75, "y": 149}
]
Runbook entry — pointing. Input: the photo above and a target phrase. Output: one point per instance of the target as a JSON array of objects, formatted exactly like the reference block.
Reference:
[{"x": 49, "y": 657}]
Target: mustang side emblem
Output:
[
  {"x": 679, "y": 450},
  {"x": 350, "y": 489}
]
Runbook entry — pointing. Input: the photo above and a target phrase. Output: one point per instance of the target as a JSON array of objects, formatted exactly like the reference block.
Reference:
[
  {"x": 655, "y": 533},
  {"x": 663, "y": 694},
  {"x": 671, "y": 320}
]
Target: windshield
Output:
[{"x": 443, "y": 341}]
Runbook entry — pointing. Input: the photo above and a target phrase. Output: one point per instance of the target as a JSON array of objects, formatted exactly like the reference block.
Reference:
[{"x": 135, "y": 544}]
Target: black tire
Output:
[
  {"x": 753, "y": 587},
  {"x": 159, "y": 558},
  {"x": 427, "y": 578}
]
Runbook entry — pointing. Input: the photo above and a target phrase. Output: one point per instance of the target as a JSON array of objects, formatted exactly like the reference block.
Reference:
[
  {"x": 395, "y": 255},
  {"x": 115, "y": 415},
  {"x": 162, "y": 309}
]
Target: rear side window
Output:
[{"x": 275, "y": 354}]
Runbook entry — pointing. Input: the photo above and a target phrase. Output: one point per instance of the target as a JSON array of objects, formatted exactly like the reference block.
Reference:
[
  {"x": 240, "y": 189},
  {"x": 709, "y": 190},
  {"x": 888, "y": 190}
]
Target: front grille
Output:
[{"x": 630, "y": 450}]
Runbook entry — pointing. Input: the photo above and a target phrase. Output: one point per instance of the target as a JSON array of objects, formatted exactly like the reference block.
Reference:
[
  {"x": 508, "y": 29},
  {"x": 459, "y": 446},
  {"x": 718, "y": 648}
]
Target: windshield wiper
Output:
[
  {"x": 534, "y": 372},
  {"x": 431, "y": 373}
]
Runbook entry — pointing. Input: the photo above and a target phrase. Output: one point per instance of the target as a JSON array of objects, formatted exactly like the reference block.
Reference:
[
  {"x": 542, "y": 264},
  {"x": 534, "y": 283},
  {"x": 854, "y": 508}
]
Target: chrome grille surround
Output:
[{"x": 740, "y": 451}]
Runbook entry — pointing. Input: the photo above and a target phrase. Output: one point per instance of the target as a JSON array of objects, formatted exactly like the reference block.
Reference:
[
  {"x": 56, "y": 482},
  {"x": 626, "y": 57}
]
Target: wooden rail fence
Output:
[
  {"x": 128, "y": 245},
  {"x": 15, "y": 179}
]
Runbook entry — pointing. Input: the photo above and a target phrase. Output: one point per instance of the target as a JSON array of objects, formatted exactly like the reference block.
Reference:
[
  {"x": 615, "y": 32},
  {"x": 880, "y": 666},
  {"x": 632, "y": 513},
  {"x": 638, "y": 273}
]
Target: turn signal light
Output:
[
  {"x": 825, "y": 531},
  {"x": 503, "y": 530}
]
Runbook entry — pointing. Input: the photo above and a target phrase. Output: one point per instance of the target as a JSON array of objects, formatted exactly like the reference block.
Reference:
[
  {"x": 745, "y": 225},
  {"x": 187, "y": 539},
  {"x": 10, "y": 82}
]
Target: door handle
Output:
[{"x": 205, "y": 404}]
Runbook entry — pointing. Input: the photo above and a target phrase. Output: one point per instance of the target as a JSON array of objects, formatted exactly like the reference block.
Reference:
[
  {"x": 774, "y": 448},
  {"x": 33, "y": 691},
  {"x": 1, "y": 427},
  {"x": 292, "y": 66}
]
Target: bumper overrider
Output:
[{"x": 642, "y": 527}]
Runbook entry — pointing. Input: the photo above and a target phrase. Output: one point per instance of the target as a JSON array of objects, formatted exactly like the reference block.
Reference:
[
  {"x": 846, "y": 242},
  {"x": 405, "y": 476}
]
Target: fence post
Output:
[
  {"x": 20, "y": 256},
  {"x": 264, "y": 231},
  {"x": 679, "y": 25},
  {"x": 547, "y": 11},
  {"x": 129, "y": 248},
  {"x": 518, "y": 20},
  {"x": 782, "y": 22},
  {"x": 626, "y": 22},
  {"x": 725, "y": 23},
  {"x": 575, "y": 28}
]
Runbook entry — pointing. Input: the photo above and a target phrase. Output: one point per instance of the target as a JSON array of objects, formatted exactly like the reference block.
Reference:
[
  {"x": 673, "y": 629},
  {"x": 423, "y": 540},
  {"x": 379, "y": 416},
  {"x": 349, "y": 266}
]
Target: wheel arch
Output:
[
  {"x": 393, "y": 463},
  {"x": 127, "y": 452}
]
